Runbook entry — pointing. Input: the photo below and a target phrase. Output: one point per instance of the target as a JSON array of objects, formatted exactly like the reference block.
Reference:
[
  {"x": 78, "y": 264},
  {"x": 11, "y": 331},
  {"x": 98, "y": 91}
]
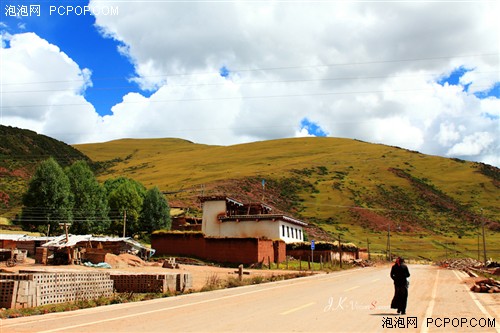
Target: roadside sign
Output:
[{"x": 312, "y": 244}]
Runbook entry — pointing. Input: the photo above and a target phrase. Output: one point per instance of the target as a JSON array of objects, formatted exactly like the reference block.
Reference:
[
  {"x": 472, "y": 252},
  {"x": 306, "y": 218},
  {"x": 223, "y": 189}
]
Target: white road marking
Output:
[
  {"x": 298, "y": 308},
  {"x": 352, "y": 288},
  {"x": 185, "y": 305},
  {"x": 430, "y": 308}
]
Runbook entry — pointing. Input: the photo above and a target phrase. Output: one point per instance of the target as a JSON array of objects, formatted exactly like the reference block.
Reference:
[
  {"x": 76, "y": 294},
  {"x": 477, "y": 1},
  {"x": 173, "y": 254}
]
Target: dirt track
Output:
[{"x": 130, "y": 264}]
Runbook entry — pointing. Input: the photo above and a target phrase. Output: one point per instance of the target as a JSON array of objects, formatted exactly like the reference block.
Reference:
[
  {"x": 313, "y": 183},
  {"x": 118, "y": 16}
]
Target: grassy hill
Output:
[
  {"x": 20, "y": 152},
  {"x": 432, "y": 205}
]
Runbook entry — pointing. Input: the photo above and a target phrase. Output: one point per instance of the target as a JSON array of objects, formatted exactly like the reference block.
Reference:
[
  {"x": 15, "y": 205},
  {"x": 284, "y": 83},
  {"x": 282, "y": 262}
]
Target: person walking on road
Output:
[{"x": 400, "y": 275}]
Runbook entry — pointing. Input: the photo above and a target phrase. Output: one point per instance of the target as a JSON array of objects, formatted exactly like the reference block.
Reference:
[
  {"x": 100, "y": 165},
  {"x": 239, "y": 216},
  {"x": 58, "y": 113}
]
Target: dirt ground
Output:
[{"x": 130, "y": 264}]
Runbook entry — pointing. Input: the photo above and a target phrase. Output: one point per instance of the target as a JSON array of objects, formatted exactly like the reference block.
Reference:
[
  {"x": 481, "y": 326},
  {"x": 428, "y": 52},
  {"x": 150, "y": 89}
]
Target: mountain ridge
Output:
[
  {"x": 430, "y": 205},
  {"x": 343, "y": 186}
]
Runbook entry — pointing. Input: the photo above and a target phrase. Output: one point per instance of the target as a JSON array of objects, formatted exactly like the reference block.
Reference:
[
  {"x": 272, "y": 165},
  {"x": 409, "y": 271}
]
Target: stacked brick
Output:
[
  {"x": 7, "y": 288},
  {"x": 41, "y": 255},
  {"x": 152, "y": 283},
  {"x": 28, "y": 289}
]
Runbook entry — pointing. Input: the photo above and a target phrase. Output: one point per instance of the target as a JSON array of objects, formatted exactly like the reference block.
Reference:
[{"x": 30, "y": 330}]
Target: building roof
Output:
[
  {"x": 250, "y": 217},
  {"x": 220, "y": 198},
  {"x": 23, "y": 237},
  {"x": 13, "y": 237},
  {"x": 60, "y": 241},
  {"x": 73, "y": 240},
  {"x": 273, "y": 217}
]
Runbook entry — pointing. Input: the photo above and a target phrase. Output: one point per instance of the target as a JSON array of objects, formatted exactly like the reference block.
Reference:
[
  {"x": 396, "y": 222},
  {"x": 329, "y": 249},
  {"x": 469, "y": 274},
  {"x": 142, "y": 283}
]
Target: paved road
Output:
[{"x": 350, "y": 301}]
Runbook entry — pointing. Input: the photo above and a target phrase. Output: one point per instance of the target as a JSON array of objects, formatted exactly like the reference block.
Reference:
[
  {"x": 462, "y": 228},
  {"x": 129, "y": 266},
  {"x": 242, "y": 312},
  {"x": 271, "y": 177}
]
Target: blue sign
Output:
[{"x": 312, "y": 244}]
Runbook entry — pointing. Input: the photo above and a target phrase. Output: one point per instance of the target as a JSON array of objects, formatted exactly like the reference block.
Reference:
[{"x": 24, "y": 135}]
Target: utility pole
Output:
[
  {"x": 484, "y": 239},
  {"x": 263, "y": 189},
  {"x": 389, "y": 255},
  {"x": 340, "y": 253},
  {"x": 70, "y": 259},
  {"x": 65, "y": 226},
  {"x": 368, "y": 248},
  {"x": 66, "y": 232},
  {"x": 478, "y": 251},
  {"x": 124, "y": 222}
]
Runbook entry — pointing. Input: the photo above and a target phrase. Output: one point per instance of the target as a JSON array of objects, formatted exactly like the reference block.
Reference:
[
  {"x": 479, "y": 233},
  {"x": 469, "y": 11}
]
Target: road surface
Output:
[{"x": 350, "y": 301}]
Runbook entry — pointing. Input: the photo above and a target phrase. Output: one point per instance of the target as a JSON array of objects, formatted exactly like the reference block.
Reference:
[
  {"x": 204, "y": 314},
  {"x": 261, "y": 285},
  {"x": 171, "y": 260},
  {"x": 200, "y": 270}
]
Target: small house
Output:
[{"x": 227, "y": 217}]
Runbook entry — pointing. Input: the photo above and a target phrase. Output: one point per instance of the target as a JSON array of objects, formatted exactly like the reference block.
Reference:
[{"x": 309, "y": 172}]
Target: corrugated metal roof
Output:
[
  {"x": 28, "y": 238},
  {"x": 60, "y": 241},
  {"x": 24, "y": 237},
  {"x": 13, "y": 237},
  {"x": 109, "y": 239}
]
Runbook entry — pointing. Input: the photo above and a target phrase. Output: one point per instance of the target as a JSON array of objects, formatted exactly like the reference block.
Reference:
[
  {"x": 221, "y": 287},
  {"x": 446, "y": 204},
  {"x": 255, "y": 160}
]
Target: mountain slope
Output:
[
  {"x": 359, "y": 190},
  {"x": 20, "y": 152}
]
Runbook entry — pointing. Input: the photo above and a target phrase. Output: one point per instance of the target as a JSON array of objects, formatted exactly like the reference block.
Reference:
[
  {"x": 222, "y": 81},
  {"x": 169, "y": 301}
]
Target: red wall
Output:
[
  {"x": 279, "y": 251},
  {"x": 225, "y": 250},
  {"x": 182, "y": 244},
  {"x": 325, "y": 255}
]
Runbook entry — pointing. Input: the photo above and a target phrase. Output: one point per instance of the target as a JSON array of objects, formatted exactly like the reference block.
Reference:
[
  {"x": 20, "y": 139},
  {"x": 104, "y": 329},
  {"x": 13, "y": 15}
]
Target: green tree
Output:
[
  {"x": 90, "y": 205},
  {"x": 113, "y": 183},
  {"x": 155, "y": 212},
  {"x": 47, "y": 200},
  {"x": 125, "y": 197}
]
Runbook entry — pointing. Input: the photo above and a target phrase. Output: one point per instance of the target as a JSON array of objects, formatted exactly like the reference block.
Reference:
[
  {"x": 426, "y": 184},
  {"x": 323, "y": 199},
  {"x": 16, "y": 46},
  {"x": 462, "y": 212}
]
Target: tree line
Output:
[{"x": 74, "y": 196}]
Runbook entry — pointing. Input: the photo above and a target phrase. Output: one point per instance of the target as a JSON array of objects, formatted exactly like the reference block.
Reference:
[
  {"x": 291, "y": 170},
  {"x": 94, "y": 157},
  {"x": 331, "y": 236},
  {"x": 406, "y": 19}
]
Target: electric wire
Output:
[
  {"x": 432, "y": 75},
  {"x": 488, "y": 54}
]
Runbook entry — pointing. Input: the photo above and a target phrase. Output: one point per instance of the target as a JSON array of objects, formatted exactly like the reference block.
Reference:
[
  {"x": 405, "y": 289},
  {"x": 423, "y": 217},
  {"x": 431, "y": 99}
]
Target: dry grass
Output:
[{"x": 342, "y": 173}]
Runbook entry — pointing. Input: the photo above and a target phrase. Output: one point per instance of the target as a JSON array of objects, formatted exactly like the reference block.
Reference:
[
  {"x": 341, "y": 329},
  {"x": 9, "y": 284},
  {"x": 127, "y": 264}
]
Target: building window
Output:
[
  {"x": 283, "y": 228},
  {"x": 300, "y": 234},
  {"x": 288, "y": 231}
]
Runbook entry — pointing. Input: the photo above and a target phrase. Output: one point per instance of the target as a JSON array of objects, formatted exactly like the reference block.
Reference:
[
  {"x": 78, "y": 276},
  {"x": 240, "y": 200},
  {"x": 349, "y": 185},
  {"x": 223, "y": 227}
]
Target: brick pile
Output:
[
  {"x": 460, "y": 263},
  {"x": 486, "y": 286},
  {"x": 29, "y": 289},
  {"x": 152, "y": 283}
]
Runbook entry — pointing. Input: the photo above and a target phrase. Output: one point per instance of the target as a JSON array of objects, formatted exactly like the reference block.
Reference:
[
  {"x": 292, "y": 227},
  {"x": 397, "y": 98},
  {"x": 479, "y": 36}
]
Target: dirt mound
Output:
[{"x": 124, "y": 260}]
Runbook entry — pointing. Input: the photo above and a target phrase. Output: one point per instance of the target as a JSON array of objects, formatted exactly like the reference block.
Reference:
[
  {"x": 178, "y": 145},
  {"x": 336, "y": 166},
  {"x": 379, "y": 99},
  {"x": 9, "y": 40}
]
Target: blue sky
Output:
[
  {"x": 80, "y": 40},
  {"x": 227, "y": 73},
  {"x": 312, "y": 128},
  {"x": 454, "y": 77}
]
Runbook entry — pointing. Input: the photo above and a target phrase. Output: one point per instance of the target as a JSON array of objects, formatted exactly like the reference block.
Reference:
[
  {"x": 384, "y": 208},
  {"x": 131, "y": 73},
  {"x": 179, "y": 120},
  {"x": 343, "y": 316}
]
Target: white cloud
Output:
[
  {"x": 448, "y": 134},
  {"x": 302, "y": 133},
  {"x": 42, "y": 89},
  {"x": 360, "y": 70},
  {"x": 472, "y": 145}
]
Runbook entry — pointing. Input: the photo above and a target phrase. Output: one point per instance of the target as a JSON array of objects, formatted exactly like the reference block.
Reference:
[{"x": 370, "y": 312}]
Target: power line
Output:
[
  {"x": 148, "y": 101},
  {"x": 253, "y": 82},
  {"x": 276, "y": 68},
  {"x": 378, "y": 209},
  {"x": 116, "y": 213}
]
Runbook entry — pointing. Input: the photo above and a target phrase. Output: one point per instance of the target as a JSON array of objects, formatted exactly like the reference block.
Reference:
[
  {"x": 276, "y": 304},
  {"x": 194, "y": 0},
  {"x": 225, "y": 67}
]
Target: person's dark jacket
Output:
[{"x": 399, "y": 273}]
